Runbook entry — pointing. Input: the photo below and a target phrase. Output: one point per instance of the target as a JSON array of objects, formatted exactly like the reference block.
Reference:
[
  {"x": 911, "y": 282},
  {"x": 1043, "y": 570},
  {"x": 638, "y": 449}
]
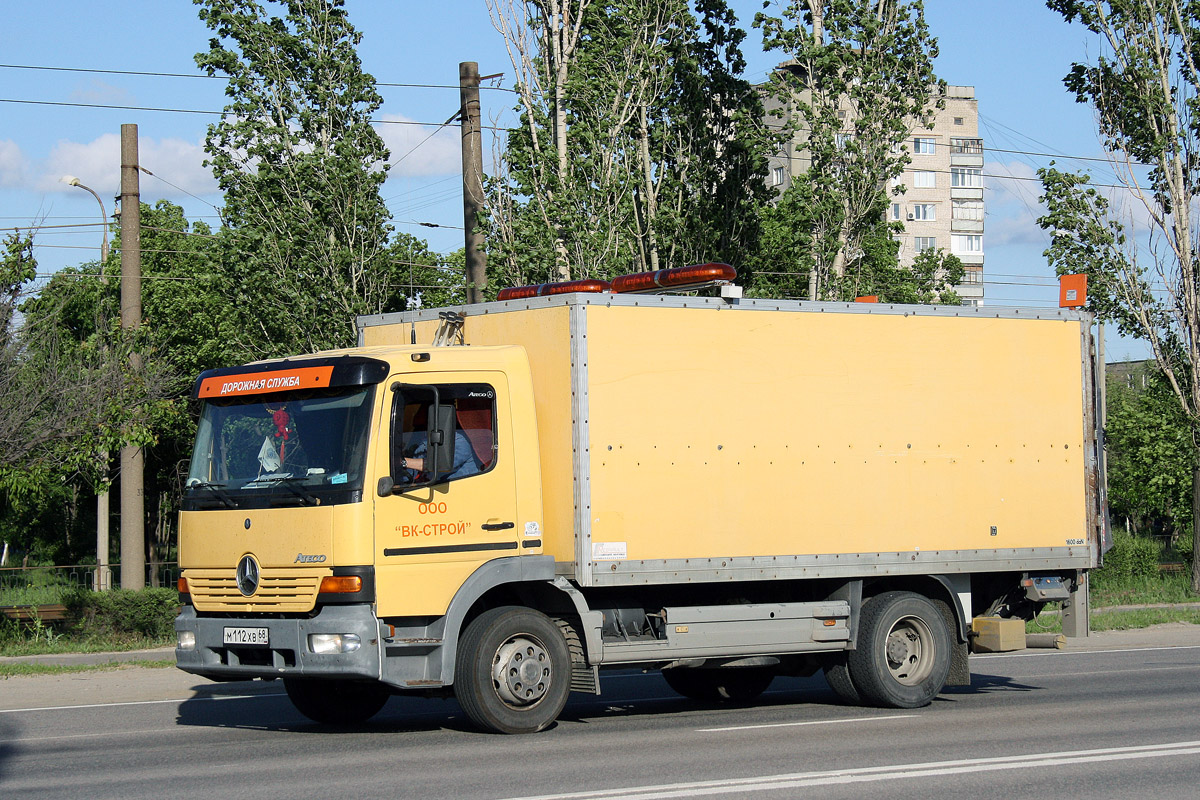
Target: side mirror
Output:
[{"x": 440, "y": 448}]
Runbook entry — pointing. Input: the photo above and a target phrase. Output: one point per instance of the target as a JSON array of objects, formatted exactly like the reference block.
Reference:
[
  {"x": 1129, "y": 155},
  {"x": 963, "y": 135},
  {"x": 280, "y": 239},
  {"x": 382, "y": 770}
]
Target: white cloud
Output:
[
  {"x": 13, "y": 164},
  {"x": 421, "y": 149},
  {"x": 97, "y": 91},
  {"x": 98, "y": 164},
  {"x": 1011, "y": 193}
]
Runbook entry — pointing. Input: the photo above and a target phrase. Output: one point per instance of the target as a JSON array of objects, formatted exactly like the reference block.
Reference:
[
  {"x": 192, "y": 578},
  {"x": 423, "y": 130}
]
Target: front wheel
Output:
[
  {"x": 731, "y": 684},
  {"x": 513, "y": 671},
  {"x": 903, "y": 654},
  {"x": 336, "y": 702}
]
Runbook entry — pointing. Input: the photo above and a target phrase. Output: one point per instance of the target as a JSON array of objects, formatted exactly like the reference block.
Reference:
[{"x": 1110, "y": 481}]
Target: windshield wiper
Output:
[
  {"x": 296, "y": 488},
  {"x": 217, "y": 490}
]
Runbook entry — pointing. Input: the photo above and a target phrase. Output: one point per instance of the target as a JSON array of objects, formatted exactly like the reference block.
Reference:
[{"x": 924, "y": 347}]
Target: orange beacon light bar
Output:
[
  {"x": 546, "y": 289},
  {"x": 676, "y": 277}
]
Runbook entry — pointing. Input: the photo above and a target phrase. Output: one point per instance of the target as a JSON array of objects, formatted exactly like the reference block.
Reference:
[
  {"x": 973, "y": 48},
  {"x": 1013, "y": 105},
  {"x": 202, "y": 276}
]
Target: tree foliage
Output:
[
  {"x": 1149, "y": 449},
  {"x": 1140, "y": 250},
  {"x": 858, "y": 79},
  {"x": 305, "y": 231},
  {"x": 640, "y": 145}
]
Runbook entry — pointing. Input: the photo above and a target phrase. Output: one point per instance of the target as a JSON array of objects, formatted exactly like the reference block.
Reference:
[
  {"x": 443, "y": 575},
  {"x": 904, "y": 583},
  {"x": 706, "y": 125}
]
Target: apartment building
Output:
[{"x": 942, "y": 204}]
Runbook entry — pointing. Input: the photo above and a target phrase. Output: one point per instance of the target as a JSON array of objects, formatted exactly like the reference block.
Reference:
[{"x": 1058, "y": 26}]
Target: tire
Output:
[
  {"x": 837, "y": 674},
  {"x": 733, "y": 684},
  {"x": 903, "y": 654},
  {"x": 336, "y": 702},
  {"x": 513, "y": 671}
]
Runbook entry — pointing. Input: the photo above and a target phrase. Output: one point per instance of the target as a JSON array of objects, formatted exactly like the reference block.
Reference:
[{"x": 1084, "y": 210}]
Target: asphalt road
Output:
[{"x": 1106, "y": 723}]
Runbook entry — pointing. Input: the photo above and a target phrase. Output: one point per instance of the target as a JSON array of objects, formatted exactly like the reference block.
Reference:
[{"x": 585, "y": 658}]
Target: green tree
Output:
[
  {"x": 858, "y": 79},
  {"x": 640, "y": 145},
  {"x": 305, "y": 230},
  {"x": 1149, "y": 451},
  {"x": 1145, "y": 90}
]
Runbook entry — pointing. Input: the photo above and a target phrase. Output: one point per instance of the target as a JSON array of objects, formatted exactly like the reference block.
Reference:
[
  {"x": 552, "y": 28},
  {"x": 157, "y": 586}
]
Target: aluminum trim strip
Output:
[{"x": 844, "y": 565}]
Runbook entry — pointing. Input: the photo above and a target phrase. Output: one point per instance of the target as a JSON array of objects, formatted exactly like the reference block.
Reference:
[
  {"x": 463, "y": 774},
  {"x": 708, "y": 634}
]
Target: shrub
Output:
[
  {"x": 145, "y": 612},
  {"x": 1130, "y": 557}
]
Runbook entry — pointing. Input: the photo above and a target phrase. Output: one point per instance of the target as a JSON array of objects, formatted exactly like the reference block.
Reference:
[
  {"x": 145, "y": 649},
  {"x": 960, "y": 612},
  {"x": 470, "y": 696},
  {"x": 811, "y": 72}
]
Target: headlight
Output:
[
  {"x": 187, "y": 640},
  {"x": 330, "y": 643}
]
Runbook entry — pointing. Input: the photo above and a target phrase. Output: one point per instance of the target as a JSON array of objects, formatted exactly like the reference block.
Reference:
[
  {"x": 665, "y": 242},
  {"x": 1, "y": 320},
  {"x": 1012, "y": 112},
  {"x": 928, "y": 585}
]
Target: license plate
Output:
[{"x": 255, "y": 637}]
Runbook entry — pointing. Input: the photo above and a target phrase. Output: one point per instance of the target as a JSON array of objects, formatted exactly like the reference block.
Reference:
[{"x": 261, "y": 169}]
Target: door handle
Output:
[{"x": 498, "y": 526}]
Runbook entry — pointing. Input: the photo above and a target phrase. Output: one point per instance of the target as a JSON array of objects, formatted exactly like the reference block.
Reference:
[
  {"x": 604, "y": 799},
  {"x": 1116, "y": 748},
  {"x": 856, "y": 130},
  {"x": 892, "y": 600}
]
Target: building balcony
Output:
[
  {"x": 966, "y": 159},
  {"x": 966, "y": 226},
  {"x": 966, "y": 192},
  {"x": 970, "y": 259}
]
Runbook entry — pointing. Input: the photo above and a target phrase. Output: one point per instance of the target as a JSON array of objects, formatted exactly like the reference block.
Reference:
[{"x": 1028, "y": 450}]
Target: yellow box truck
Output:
[{"x": 501, "y": 500}]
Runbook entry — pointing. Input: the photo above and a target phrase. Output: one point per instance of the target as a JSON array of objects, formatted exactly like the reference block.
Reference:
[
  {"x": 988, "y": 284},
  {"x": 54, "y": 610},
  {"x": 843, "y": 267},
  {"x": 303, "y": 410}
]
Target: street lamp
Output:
[
  {"x": 103, "y": 578},
  {"x": 71, "y": 180}
]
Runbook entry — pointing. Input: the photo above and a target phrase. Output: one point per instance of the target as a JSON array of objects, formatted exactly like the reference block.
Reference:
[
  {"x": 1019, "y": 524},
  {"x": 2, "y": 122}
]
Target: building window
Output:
[
  {"x": 925, "y": 211},
  {"x": 970, "y": 210},
  {"x": 924, "y": 145},
  {"x": 968, "y": 146},
  {"x": 779, "y": 175},
  {"x": 973, "y": 276},
  {"x": 895, "y": 211},
  {"x": 923, "y": 243},
  {"x": 925, "y": 179},
  {"x": 966, "y": 243},
  {"x": 959, "y": 121},
  {"x": 967, "y": 177}
]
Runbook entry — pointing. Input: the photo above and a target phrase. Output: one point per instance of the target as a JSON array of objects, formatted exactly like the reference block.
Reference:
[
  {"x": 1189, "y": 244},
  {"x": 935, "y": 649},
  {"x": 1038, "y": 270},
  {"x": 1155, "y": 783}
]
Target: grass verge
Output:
[
  {"x": 19, "y": 670},
  {"x": 54, "y": 644}
]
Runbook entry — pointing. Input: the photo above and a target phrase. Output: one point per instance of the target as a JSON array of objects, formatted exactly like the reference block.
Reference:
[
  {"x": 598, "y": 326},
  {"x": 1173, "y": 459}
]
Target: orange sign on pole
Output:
[
  {"x": 869, "y": 298},
  {"x": 1072, "y": 291}
]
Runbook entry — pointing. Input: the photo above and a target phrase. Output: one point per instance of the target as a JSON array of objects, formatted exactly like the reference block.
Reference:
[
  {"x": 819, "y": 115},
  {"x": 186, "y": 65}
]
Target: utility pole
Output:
[
  {"x": 472, "y": 164},
  {"x": 133, "y": 526}
]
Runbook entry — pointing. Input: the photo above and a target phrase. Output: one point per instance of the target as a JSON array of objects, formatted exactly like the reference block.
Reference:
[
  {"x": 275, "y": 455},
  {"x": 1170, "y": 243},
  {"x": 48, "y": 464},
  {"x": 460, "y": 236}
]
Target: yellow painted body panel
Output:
[
  {"x": 544, "y": 334},
  {"x": 805, "y": 433}
]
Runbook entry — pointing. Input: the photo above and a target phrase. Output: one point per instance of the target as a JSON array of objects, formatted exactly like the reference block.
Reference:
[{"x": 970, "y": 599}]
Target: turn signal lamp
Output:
[
  {"x": 547, "y": 289},
  {"x": 186, "y": 640},
  {"x": 181, "y": 586},
  {"x": 673, "y": 278},
  {"x": 341, "y": 584}
]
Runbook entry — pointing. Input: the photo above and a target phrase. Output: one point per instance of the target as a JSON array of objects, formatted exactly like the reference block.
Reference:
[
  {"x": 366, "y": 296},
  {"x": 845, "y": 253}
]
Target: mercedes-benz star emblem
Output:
[{"x": 247, "y": 576}]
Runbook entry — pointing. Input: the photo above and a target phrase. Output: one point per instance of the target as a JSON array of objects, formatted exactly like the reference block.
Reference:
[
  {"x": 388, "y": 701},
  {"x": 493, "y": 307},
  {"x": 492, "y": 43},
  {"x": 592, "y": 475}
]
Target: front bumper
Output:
[{"x": 288, "y": 654}]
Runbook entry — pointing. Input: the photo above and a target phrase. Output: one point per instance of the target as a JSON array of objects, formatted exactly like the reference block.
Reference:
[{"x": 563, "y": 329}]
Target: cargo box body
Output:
[{"x": 696, "y": 440}]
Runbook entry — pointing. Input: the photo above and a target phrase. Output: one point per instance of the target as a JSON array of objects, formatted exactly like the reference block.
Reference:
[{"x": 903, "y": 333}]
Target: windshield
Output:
[{"x": 304, "y": 448}]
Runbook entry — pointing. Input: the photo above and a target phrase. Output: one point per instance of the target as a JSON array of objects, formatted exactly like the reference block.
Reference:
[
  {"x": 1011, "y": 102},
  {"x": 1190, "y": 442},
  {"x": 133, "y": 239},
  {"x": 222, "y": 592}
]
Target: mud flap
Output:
[{"x": 960, "y": 669}]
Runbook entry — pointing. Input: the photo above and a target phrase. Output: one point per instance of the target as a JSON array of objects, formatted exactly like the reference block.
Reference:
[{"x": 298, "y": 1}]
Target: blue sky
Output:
[{"x": 1014, "y": 53}]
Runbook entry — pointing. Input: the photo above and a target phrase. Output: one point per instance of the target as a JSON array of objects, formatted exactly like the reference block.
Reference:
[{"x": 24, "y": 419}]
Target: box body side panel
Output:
[{"x": 727, "y": 434}]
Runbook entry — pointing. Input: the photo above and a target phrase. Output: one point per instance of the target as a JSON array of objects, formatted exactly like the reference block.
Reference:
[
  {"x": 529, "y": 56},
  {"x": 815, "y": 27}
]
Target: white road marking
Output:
[
  {"x": 882, "y": 773},
  {"x": 798, "y": 724}
]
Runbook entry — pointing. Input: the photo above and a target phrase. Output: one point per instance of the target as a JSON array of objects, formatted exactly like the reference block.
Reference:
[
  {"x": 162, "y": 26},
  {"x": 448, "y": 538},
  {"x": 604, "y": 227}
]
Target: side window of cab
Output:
[{"x": 442, "y": 432}]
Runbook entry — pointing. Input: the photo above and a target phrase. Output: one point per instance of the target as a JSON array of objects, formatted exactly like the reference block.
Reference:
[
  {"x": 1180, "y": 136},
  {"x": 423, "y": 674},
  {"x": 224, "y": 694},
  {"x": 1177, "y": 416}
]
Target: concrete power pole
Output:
[
  {"x": 133, "y": 525},
  {"x": 472, "y": 164}
]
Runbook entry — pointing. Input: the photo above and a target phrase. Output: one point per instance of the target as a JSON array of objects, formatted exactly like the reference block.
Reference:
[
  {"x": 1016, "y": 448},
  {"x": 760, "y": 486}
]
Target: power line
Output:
[
  {"x": 93, "y": 71},
  {"x": 115, "y": 107}
]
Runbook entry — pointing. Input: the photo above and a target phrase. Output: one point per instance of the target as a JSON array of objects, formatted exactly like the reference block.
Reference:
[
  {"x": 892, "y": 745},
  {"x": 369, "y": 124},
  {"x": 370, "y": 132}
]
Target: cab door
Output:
[{"x": 433, "y": 530}]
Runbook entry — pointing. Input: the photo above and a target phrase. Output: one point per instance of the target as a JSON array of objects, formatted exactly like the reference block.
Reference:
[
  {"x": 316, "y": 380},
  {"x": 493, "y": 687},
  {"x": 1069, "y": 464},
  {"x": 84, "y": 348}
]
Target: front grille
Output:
[{"x": 278, "y": 590}]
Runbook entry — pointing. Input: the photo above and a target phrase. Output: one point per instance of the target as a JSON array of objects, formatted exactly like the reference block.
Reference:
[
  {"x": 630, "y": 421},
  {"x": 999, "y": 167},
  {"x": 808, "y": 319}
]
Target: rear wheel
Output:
[
  {"x": 837, "y": 673},
  {"x": 733, "y": 684},
  {"x": 513, "y": 672},
  {"x": 336, "y": 702},
  {"x": 903, "y": 654}
]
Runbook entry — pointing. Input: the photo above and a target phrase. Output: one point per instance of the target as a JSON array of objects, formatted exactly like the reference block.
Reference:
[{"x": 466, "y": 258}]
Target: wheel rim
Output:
[
  {"x": 521, "y": 671},
  {"x": 908, "y": 649}
]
